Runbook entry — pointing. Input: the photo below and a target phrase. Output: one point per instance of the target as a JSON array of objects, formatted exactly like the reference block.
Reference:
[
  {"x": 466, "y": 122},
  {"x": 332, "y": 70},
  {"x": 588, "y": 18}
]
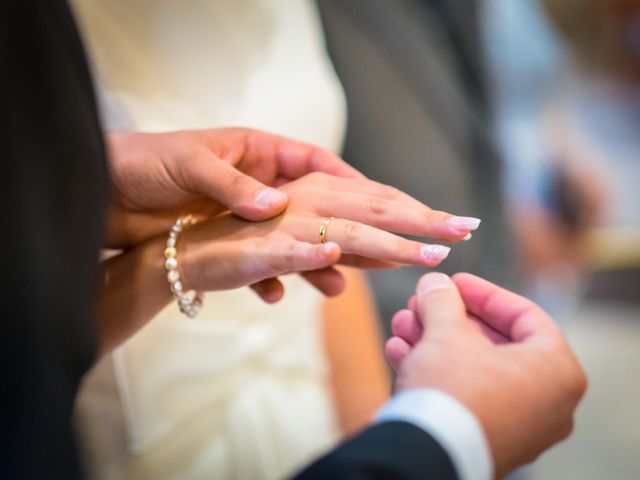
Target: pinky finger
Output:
[
  {"x": 270, "y": 290},
  {"x": 293, "y": 257},
  {"x": 329, "y": 281},
  {"x": 357, "y": 261},
  {"x": 406, "y": 325},
  {"x": 395, "y": 351}
]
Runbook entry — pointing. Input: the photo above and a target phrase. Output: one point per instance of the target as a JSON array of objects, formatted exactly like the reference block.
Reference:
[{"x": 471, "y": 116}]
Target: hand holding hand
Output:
[
  {"x": 227, "y": 251},
  {"x": 157, "y": 177},
  {"x": 498, "y": 354}
]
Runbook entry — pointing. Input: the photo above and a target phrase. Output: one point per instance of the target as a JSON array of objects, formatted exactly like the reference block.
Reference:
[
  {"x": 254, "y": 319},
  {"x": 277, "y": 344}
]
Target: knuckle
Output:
[
  {"x": 571, "y": 377},
  {"x": 266, "y": 257},
  {"x": 351, "y": 231},
  {"x": 239, "y": 184},
  {"x": 385, "y": 190},
  {"x": 562, "y": 430},
  {"x": 317, "y": 177},
  {"x": 400, "y": 247},
  {"x": 196, "y": 150},
  {"x": 377, "y": 206},
  {"x": 533, "y": 456},
  {"x": 262, "y": 262},
  {"x": 393, "y": 192},
  {"x": 183, "y": 140},
  {"x": 400, "y": 244},
  {"x": 289, "y": 259},
  {"x": 578, "y": 384},
  {"x": 432, "y": 216},
  {"x": 568, "y": 428}
]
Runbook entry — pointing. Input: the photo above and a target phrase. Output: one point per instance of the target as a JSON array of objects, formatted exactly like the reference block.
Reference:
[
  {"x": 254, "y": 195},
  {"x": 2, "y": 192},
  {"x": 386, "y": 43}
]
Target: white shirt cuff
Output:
[{"x": 450, "y": 423}]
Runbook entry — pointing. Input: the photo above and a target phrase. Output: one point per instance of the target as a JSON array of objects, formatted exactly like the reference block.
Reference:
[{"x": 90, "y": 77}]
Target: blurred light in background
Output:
[{"x": 567, "y": 110}]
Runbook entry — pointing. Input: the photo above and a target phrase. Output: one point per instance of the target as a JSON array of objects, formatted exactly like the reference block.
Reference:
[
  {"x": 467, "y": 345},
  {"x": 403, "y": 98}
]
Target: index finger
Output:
[
  {"x": 296, "y": 159},
  {"x": 510, "y": 314}
]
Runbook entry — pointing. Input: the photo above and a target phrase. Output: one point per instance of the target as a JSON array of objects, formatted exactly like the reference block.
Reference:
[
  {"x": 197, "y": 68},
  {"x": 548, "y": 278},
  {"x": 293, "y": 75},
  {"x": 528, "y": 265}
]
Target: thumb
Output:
[
  {"x": 439, "y": 305},
  {"x": 242, "y": 194}
]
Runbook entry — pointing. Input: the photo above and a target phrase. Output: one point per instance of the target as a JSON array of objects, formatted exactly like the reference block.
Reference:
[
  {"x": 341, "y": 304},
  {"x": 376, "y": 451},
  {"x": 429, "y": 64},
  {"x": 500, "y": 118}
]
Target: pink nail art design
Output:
[{"x": 434, "y": 252}]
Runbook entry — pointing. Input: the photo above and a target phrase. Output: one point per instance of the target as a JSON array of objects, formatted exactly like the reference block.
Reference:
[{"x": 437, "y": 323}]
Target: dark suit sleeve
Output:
[
  {"x": 390, "y": 450},
  {"x": 52, "y": 198}
]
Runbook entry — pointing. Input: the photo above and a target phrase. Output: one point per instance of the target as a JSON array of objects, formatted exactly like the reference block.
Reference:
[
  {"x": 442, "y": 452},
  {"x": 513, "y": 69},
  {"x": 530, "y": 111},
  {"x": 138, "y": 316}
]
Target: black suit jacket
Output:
[
  {"x": 52, "y": 195},
  {"x": 54, "y": 181},
  {"x": 388, "y": 451}
]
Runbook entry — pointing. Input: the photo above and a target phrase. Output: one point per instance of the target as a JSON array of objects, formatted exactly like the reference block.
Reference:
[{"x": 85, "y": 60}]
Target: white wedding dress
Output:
[{"x": 240, "y": 392}]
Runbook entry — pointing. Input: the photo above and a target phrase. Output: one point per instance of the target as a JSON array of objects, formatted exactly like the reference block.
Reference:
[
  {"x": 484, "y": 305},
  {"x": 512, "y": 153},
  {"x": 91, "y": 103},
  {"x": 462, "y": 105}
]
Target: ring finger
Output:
[{"x": 367, "y": 241}]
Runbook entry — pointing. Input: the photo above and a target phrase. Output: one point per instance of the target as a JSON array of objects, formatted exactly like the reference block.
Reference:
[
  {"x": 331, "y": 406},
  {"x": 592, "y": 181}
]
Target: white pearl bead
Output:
[
  {"x": 187, "y": 305},
  {"x": 172, "y": 276},
  {"x": 176, "y": 287},
  {"x": 171, "y": 263}
]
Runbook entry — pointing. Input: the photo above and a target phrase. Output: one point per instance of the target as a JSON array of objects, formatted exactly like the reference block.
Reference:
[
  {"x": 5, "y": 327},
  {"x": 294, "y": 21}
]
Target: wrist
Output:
[
  {"x": 152, "y": 256},
  {"x": 186, "y": 264},
  {"x": 189, "y": 301},
  {"x": 133, "y": 291},
  {"x": 451, "y": 423}
]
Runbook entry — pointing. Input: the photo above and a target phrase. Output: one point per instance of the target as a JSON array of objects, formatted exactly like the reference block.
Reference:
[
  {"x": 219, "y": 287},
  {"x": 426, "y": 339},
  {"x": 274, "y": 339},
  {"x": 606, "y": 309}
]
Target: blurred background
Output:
[{"x": 526, "y": 114}]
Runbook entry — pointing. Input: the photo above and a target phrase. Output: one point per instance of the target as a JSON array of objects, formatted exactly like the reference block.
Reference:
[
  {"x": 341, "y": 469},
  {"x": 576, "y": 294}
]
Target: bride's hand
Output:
[{"x": 228, "y": 252}]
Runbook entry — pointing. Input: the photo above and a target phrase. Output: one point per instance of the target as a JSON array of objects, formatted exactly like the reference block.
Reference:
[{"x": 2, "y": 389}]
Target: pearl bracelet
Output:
[{"x": 189, "y": 303}]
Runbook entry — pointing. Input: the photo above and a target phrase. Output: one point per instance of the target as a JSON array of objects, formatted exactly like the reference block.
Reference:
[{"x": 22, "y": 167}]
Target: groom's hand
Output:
[
  {"x": 498, "y": 354},
  {"x": 157, "y": 177}
]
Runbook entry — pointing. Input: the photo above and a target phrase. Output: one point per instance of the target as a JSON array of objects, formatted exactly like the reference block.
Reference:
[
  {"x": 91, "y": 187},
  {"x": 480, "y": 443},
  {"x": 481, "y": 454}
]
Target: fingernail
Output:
[
  {"x": 464, "y": 223},
  {"x": 269, "y": 196},
  {"x": 329, "y": 246},
  {"x": 434, "y": 252},
  {"x": 434, "y": 281},
  {"x": 467, "y": 237}
]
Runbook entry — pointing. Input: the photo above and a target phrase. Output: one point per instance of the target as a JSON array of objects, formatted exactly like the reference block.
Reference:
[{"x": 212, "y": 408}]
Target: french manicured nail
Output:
[
  {"x": 434, "y": 281},
  {"x": 464, "y": 223},
  {"x": 269, "y": 196},
  {"x": 434, "y": 252},
  {"x": 467, "y": 237}
]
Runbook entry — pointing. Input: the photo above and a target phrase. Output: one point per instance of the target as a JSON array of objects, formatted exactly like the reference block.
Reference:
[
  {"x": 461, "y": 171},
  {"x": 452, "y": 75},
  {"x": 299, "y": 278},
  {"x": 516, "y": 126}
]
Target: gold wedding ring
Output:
[{"x": 323, "y": 229}]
